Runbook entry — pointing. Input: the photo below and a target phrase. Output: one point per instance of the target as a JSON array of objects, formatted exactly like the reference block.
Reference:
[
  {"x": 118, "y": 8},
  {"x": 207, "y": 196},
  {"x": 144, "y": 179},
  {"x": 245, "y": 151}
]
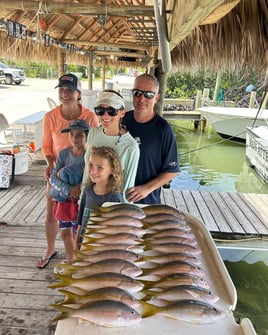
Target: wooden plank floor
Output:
[
  {"x": 25, "y": 298},
  {"x": 223, "y": 212}
]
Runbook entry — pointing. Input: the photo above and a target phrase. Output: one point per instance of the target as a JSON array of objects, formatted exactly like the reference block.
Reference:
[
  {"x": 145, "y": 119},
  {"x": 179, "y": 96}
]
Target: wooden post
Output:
[
  {"x": 252, "y": 99},
  {"x": 198, "y": 99},
  {"x": 265, "y": 100},
  {"x": 162, "y": 78},
  {"x": 103, "y": 73},
  {"x": 205, "y": 95},
  {"x": 217, "y": 86},
  {"x": 60, "y": 61},
  {"x": 203, "y": 123},
  {"x": 198, "y": 103},
  {"x": 90, "y": 71}
]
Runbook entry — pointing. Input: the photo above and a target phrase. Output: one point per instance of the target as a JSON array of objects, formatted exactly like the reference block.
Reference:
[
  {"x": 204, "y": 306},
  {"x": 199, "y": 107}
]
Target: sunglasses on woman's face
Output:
[
  {"x": 146, "y": 94},
  {"x": 110, "y": 111}
]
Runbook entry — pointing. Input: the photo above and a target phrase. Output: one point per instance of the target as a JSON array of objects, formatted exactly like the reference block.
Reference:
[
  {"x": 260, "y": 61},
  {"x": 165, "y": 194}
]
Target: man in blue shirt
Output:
[{"x": 158, "y": 163}]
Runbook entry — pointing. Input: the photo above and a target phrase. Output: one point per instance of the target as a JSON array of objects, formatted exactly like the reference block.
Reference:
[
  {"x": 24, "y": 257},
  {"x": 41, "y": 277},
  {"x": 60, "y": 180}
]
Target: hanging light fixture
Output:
[
  {"x": 3, "y": 25},
  {"x": 102, "y": 18}
]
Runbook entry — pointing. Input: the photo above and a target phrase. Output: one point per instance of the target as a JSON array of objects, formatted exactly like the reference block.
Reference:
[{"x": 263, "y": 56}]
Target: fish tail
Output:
[
  {"x": 146, "y": 258},
  {"x": 148, "y": 295},
  {"x": 97, "y": 210},
  {"x": 86, "y": 246},
  {"x": 93, "y": 219},
  {"x": 146, "y": 272},
  {"x": 68, "y": 266},
  {"x": 59, "y": 317},
  {"x": 65, "y": 281},
  {"x": 147, "y": 246},
  {"x": 60, "y": 307},
  {"x": 148, "y": 309},
  {"x": 69, "y": 297},
  {"x": 79, "y": 254}
]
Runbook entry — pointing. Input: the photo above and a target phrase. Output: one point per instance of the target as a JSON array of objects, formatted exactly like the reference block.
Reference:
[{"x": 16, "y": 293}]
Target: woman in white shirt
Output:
[{"x": 110, "y": 110}]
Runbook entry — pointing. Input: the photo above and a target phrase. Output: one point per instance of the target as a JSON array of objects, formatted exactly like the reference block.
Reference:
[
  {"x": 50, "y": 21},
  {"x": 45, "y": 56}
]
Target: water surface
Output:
[
  {"x": 209, "y": 163},
  {"x": 249, "y": 272}
]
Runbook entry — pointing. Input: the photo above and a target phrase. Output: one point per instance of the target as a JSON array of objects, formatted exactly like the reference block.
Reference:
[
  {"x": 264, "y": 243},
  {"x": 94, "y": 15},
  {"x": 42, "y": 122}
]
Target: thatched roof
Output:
[
  {"x": 221, "y": 33},
  {"x": 239, "y": 40}
]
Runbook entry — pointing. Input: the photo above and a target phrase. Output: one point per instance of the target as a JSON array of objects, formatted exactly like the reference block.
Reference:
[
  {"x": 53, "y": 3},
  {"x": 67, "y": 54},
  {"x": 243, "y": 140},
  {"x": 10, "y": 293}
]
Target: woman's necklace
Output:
[{"x": 119, "y": 134}]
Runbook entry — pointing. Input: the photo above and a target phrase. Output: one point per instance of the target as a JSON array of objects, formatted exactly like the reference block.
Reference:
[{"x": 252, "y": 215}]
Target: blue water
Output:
[{"x": 209, "y": 163}]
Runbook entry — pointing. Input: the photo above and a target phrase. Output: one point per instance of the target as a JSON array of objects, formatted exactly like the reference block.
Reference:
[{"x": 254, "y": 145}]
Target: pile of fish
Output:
[{"x": 135, "y": 263}]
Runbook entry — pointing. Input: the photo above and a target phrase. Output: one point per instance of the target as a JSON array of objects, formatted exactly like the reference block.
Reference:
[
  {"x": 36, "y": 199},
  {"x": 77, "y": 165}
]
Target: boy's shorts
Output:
[{"x": 68, "y": 224}]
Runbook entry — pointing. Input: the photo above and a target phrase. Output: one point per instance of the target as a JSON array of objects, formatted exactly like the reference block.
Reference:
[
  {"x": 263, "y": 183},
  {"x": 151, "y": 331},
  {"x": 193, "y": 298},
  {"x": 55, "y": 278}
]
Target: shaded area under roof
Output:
[{"x": 229, "y": 34}]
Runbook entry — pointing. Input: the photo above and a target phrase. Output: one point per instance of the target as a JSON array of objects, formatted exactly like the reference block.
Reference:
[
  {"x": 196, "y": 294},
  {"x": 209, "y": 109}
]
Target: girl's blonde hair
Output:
[{"x": 115, "y": 179}]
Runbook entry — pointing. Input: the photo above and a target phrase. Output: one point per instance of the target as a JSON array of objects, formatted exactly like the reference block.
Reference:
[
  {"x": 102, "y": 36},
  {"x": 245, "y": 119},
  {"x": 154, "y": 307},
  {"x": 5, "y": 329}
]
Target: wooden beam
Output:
[
  {"x": 118, "y": 53},
  {"x": 106, "y": 44},
  {"x": 60, "y": 61},
  {"x": 90, "y": 71},
  {"x": 77, "y": 8}
]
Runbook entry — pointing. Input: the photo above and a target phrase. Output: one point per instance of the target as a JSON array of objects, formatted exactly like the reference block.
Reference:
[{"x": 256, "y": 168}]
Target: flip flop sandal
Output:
[{"x": 44, "y": 262}]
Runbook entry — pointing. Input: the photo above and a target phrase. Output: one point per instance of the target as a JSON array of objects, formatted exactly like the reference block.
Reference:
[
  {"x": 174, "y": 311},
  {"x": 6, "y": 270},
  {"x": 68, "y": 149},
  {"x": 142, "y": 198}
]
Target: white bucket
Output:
[{"x": 21, "y": 162}]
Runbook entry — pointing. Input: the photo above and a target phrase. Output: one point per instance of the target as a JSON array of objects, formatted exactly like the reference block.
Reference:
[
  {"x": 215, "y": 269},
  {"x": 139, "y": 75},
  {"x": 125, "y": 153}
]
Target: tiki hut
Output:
[{"x": 226, "y": 34}]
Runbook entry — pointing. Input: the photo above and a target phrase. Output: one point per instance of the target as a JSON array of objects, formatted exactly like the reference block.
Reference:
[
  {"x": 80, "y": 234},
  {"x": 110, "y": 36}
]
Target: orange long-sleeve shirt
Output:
[{"x": 52, "y": 139}]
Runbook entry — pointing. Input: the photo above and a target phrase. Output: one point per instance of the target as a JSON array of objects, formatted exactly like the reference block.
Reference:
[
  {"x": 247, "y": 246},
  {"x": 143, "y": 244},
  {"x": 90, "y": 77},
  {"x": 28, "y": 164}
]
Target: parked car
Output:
[
  {"x": 2, "y": 75},
  {"x": 120, "y": 81},
  {"x": 12, "y": 75}
]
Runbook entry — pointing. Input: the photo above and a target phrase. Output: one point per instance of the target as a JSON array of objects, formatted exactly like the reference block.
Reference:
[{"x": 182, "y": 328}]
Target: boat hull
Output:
[
  {"x": 257, "y": 150},
  {"x": 231, "y": 123}
]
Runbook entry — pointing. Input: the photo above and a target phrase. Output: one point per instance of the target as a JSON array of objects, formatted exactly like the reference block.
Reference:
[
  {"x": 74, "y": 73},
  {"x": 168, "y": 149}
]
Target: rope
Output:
[
  {"x": 209, "y": 145},
  {"x": 46, "y": 10}
]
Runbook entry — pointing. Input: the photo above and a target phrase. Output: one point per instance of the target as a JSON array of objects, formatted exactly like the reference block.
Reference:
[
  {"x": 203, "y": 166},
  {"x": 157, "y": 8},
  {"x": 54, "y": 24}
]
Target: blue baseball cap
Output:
[{"x": 78, "y": 124}]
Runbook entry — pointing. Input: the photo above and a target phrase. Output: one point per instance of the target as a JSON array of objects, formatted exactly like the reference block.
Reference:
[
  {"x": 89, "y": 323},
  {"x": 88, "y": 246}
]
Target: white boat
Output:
[
  {"x": 232, "y": 122},
  {"x": 257, "y": 150}
]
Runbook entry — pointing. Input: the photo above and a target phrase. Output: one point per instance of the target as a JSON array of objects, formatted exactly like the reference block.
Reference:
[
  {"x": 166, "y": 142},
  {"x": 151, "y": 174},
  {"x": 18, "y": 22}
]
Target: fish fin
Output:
[{"x": 146, "y": 280}]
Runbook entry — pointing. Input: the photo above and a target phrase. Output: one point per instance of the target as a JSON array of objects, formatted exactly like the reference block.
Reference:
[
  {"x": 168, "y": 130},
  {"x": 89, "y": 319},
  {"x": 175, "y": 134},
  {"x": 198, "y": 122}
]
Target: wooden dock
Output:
[
  {"x": 182, "y": 115},
  {"x": 25, "y": 298}
]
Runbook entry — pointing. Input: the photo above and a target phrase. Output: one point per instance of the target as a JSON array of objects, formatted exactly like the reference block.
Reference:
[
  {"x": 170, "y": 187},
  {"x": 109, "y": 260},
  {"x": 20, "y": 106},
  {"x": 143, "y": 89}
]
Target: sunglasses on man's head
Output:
[
  {"x": 146, "y": 94},
  {"x": 110, "y": 111}
]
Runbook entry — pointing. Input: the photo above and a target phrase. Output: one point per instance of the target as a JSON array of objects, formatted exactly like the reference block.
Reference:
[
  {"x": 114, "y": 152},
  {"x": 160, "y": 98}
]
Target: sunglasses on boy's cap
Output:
[
  {"x": 147, "y": 94},
  {"x": 110, "y": 111}
]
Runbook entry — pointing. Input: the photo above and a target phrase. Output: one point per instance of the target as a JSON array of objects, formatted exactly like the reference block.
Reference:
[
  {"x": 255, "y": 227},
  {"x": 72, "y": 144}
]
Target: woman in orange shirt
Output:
[{"x": 53, "y": 141}]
